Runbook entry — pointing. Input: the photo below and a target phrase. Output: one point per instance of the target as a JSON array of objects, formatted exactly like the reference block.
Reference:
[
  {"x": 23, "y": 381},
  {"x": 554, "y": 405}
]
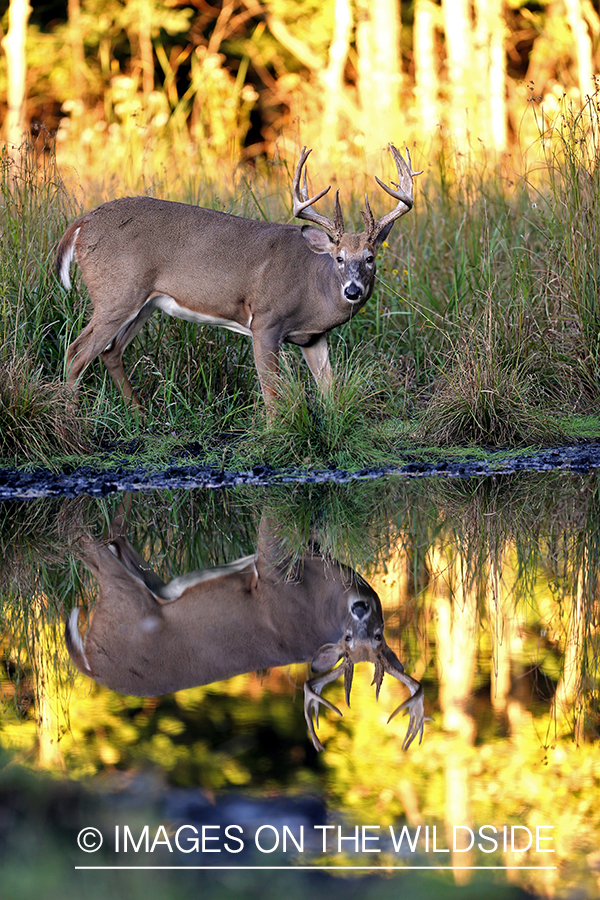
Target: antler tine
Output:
[
  {"x": 348, "y": 676},
  {"x": 303, "y": 204},
  {"x": 378, "y": 672},
  {"x": 414, "y": 705},
  {"x": 312, "y": 699},
  {"x": 338, "y": 218},
  {"x": 403, "y": 193},
  {"x": 367, "y": 215}
]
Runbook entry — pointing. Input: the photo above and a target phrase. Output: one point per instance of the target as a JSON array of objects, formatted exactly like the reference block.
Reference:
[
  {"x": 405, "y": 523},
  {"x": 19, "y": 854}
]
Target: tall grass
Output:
[
  {"x": 500, "y": 291},
  {"x": 342, "y": 427},
  {"x": 484, "y": 327},
  {"x": 569, "y": 210}
]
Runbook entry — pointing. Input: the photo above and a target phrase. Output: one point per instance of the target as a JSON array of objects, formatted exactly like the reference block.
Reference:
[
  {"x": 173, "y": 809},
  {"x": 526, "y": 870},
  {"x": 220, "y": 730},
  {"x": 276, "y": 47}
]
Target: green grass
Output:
[
  {"x": 483, "y": 330},
  {"x": 341, "y": 428}
]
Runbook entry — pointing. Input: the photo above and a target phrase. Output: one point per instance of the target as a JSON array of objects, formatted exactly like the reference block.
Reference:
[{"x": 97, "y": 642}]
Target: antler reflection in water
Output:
[{"x": 384, "y": 660}]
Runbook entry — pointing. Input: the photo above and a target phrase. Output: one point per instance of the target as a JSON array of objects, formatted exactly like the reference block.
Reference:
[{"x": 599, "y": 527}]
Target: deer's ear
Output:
[
  {"x": 326, "y": 657},
  {"x": 318, "y": 241},
  {"x": 382, "y": 236},
  {"x": 392, "y": 659}
]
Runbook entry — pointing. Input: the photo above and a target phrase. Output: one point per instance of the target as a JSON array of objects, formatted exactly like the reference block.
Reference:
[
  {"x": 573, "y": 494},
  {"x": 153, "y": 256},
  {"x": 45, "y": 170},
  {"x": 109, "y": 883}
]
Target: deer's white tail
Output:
[
  {"x": 75, "y": 644},
  {"x": 65, "y": 254}
]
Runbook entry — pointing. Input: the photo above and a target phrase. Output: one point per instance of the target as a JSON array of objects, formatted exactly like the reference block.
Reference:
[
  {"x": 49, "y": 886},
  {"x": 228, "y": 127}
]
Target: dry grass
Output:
[
  {"x": 493, "y": 391},
  {"x": 37, "y": 418}
]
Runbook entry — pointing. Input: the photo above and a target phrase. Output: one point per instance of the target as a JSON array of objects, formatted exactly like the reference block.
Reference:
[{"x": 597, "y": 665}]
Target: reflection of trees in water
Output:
[
  {"x": 504, "y": 578},
  {"x": 454, "y": 601},
  {"x": 528, "y": 548},
  {"x": 489, "y": 591}
]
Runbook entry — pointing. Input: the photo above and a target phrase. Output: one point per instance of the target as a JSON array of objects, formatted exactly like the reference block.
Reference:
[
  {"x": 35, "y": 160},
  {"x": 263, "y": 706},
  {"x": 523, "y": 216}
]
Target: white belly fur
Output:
[{"x": 170, "y": 306}]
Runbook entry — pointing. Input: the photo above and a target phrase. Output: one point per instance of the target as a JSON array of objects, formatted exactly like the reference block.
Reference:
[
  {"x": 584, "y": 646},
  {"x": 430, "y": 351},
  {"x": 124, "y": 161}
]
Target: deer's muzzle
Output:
[
  {"x": 353, "y": 291},
  {"x": 360, "y": 609}
]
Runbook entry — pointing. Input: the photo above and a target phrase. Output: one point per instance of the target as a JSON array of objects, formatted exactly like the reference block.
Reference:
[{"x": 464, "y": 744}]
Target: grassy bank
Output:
[{"x": 484, "y": 328}]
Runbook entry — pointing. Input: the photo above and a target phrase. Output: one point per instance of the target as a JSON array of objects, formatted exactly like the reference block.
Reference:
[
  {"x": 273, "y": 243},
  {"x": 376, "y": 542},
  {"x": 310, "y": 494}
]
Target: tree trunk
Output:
[
  {"x": 379, "y": 71},
  {"x": 583, "y": 47},
  {"x": 426, "y": 72},
  {"x": 333, "y": 76},
  {"x": 498, "y": 110},
  {"x": 490, "y": 64},
  {"x": 146, "y": 49},
  {"x": 16, "y": 66},
  {"x": 459, "y": 64},
  {"x": 77, "y": 49}
]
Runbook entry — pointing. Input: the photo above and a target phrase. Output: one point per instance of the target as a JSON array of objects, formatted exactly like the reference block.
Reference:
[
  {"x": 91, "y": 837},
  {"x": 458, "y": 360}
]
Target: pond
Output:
[{"x": 156, "y": 735}]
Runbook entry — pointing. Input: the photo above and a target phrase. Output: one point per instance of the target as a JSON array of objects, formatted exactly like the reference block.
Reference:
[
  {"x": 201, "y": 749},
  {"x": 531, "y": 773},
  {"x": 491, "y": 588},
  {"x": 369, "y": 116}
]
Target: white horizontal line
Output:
[{"x": 382, "y": 868}]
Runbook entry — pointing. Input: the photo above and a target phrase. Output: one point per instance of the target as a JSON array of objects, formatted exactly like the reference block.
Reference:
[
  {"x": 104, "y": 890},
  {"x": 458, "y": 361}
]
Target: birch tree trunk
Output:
[
  {"x": 333, "y": 76},
  {"x": 490, "y": 64},
  {"x": 379, "y": 70},
  {"x": 461, "y": 74},
  {"x": 16, "y": 66},
  {"x": 497, "y": 77},
  {"x": 77, "y": 49},
  {"x": 583, "y": 47},
  {"x": 426, "y": 71},
  {"x": 146, "y": 50}
]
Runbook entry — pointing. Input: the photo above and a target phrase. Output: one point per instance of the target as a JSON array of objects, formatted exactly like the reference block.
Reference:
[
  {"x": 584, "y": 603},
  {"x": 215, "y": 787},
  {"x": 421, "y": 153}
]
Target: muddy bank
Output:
[{"x": 17, "y": 485}]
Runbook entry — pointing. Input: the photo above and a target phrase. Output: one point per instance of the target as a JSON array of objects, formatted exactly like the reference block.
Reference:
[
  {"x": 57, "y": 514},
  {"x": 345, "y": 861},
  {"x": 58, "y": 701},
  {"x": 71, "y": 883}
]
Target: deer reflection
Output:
[{"x": 148, "y": 637}]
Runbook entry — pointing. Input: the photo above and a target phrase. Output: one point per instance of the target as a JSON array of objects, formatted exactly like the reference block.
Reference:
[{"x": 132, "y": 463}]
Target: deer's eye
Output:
[
  {"x": 378, "y": 637},
  {"x": 370, "y": 259},
  {"x": 339, "y": 259}
]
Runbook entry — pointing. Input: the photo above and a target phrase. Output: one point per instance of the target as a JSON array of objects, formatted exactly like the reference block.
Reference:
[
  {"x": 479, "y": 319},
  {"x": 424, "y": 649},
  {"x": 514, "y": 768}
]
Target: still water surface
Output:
[{"x": 174, "y": 719}]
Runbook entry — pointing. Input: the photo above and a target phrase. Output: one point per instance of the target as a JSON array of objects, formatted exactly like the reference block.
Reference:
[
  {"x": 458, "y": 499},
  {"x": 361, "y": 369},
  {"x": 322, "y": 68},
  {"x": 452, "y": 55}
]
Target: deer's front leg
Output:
[
  {"x": 267, "y": 347},
  {"x": 317, "y": 358}
]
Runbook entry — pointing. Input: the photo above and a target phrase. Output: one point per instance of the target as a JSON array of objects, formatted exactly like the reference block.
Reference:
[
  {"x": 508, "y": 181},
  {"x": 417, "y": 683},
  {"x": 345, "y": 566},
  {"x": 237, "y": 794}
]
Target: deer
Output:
[
  {"x": 149, "y": 638},
  {"x": 275, "y": 283}
]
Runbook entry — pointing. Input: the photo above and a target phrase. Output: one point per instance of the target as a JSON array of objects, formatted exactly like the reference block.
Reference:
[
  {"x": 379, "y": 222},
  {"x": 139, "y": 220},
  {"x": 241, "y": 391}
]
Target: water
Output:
[{"x": 178, "y": 730}]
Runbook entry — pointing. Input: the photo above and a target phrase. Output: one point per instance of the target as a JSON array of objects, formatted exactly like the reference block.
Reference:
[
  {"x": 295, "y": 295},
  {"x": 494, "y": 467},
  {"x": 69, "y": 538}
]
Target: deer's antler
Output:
[
  {"x": 385, "y": 661},
  {"x": 312, "y": 697},
  {"x": 414, "y": 705},
  {"x": 403, "y": 194},
  {"x": 303, "y": 204}
]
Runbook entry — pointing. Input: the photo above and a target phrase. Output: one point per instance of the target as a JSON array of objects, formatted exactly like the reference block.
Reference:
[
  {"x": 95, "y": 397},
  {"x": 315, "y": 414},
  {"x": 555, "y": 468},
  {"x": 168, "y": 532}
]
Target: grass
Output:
[
  {"x": 35, "y": 415},
  {"x": 493, "y": 391},
  {"x": 341, "y": 428},
  {"x": 483, "y": 330}
]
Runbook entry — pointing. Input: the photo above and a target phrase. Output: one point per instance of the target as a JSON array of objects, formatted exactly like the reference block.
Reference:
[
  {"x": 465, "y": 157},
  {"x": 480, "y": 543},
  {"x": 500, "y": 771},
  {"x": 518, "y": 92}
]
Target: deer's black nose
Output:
[
  {"x": 352, "y": 292},
  {"x": 360, "y": 609}
]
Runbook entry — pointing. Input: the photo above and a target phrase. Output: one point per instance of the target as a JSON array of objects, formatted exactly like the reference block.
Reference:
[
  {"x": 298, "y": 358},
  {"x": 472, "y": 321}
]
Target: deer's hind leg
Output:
[
  {"x": 107, "y": 338},
  {"x": 112, "y": 355}
]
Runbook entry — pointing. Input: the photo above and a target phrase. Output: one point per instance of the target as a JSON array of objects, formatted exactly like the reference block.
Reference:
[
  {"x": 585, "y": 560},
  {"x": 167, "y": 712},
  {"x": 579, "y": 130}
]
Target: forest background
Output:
[
  {"x": 239, "y": 77},
  {"x": 485, "y": 324}
]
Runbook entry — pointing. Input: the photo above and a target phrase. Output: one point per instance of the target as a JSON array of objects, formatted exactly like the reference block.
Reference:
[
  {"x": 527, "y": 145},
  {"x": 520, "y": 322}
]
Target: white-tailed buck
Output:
[
  {"x": 274, "y": 283},
  {"x": 149, "y": 638}
]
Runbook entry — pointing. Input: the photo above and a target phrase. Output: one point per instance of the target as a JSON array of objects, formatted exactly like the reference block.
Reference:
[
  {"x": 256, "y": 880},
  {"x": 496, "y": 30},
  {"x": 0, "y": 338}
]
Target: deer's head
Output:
[
  {"x": 362, "y": 641},
  {"x": 354, "y": 255}
]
